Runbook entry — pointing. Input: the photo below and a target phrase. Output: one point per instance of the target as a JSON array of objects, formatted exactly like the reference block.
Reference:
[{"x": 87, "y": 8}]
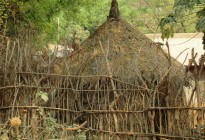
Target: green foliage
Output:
[
  {"x": 186, "y": 12},
  {"x": 42, "y": 17},
  {"x": 3, "y": 15},
  {"x": 183, "y": 8},
  {"x": 9, "y": 17},
  {"x": 50, "y": 124},
  {"x": 42, "y": 95},
  {"x": 53, "y": 21},
  {"x": 147, "y": 14},
  {"x": 200, "y": 25},
  {"x": 167, "y": 26}
]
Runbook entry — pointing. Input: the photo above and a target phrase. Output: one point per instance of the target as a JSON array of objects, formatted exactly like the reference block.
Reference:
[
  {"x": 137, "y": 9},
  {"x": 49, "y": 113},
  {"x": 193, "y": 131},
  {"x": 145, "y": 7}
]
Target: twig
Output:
[
  {"x": 117, "y": 96},
  {"x": 145, "y": 134},
  {"x": 76, "y": 128},
  {"x": 105, "y": 111}
]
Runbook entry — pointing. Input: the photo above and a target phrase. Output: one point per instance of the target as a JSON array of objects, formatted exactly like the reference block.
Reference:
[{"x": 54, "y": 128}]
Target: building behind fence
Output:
[{"x": 100, "y": 91}]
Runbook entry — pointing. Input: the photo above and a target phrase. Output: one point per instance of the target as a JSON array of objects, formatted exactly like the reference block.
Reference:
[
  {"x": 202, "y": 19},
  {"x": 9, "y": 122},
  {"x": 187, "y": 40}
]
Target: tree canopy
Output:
[
  {"x": 52, "y": 21},
  {"x": 189, "y": 13}
]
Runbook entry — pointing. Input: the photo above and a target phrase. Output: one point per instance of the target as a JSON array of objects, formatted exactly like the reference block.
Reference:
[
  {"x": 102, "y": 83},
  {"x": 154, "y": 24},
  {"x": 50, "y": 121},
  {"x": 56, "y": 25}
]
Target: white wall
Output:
[{"x": 180, "y": 42}]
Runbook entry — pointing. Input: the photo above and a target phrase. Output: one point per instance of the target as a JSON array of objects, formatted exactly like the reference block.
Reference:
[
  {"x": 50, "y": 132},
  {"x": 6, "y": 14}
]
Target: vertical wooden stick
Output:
[{"x": 115, "y": 93}]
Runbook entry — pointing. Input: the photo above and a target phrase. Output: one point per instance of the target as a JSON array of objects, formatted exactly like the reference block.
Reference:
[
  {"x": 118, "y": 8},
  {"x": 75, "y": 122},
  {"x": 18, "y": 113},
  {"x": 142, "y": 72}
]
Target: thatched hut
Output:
[
  {"x": 131, "y": 73},
  {"x": 119, "y": 50}
]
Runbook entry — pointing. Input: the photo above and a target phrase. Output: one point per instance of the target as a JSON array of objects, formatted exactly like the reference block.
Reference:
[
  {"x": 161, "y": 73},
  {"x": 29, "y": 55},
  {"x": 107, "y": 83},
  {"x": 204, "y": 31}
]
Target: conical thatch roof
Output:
[{"x": 129, "y": 52}]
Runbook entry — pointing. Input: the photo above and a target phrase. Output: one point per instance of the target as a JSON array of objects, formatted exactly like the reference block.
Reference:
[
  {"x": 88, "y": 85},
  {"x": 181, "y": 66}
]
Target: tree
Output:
[
  {"x": 51, "y": 21},
  {"x": 9, "y": 17},
  {"x": 147, "y": 13},
  {"x": 191, "y": 12}
]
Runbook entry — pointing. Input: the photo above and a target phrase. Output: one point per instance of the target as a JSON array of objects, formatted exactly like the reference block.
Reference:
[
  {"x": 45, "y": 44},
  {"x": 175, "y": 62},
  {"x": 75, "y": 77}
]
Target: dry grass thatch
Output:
[{"x": 128, "y": 51}]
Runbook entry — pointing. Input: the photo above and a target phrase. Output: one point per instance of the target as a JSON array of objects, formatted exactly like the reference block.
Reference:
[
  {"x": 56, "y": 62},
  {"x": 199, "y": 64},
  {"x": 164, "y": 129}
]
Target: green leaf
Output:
[
  {"x": 201, "y": 13},
  {"x": 200, "y": 25},
  {"x": 167, "y": 26},
  {"x": 41, "y": 111},
  {"x": 44, "y": 97}
]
